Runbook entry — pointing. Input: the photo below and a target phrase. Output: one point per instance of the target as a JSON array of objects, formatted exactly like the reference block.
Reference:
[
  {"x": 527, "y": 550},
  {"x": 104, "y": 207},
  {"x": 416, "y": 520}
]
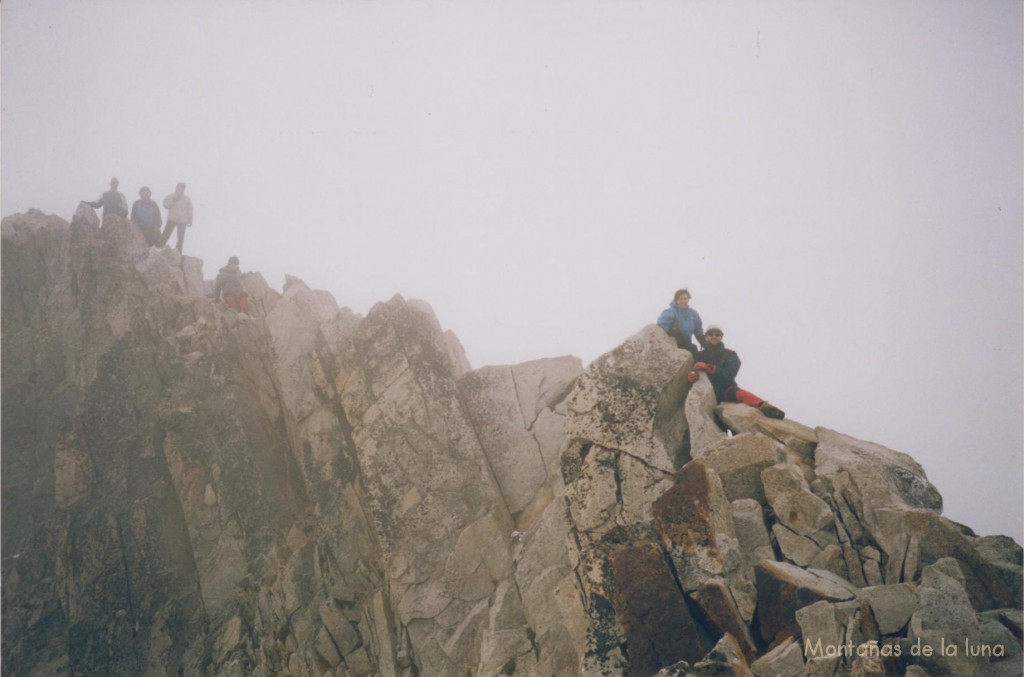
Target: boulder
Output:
[
  {"x": 799, "y": 439},
  {"x": 754, "y": 542},
  {"x": 795, "y": 506},
  {"x": 785, "y": 660},
  {"x": 945, "y": 618},
  {"x": 866, "y": 478},
  {"x": 724, "y": 616},
  {"x": 797, "y": 549},
  {"x": 1005, "y": 558},
  {"x": 653, "y": 612},
  {"x": 783, "y": 589},
  {"x": 726, "y": 659},
  {"x": 989, "y": 585},
  {"x": 892, "y": 605},
  {"x": 512, "y": 409},
  {"x": 163, "y": 266},
  {"x": 739, "y": 461},
  {"x": 700, "y": 417},
  {"x": 611, "y": 489},
  {"x": 552, "y": 604},
  {"x": 823, "y": 633},
  {"x": 631, "y": 400},
  {"x": 695, "y": 523}
]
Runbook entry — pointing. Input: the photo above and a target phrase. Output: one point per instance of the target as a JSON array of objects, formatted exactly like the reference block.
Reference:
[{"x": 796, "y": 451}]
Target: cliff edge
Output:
[{"x": 305, "y": 491}]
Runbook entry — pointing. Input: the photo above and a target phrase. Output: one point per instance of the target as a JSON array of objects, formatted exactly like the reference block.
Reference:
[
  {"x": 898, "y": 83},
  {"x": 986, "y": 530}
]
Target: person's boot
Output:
[{"x": 771, "y": 411}]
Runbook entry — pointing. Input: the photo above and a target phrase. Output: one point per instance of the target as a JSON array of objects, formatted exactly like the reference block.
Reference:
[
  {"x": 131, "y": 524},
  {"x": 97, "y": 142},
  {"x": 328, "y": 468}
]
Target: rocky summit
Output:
[{"x": 306, "y": 491}]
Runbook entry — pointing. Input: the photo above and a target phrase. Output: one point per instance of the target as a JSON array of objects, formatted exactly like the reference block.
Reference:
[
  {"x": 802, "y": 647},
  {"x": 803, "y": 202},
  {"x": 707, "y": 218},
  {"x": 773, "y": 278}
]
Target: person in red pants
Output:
[
  {"x": 721, "y": 365},
  {"x": 229, "y": 284}
]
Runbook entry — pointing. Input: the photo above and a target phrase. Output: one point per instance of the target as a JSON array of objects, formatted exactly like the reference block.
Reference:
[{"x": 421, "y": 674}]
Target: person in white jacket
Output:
[{"x": 179, "y": 215}]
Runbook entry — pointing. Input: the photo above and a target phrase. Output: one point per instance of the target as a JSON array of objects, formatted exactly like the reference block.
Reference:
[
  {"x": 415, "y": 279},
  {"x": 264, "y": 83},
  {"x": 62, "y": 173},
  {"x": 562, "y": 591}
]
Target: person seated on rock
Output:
[
  {"x": 112, "y": 201},
  {"x": 682, "y": 322},
  {"x": 721, "y": 365},
  {"x": 146, "y": 216},
  {"x": 229, "y": 283}
]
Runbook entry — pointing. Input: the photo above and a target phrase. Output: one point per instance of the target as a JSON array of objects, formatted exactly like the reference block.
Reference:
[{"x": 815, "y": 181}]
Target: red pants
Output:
[
  {"x": 238, "y": 302},
  {"x": 737, "y": 394}
]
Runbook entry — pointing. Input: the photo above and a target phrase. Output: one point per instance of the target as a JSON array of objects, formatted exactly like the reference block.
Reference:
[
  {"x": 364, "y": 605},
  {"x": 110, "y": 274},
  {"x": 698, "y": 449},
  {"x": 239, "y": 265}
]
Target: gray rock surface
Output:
[
  {"x": 705, "y": 434},
  {"x": 303, "y": 491},
  {"x": 630, "y": 400},
  {"x": 739, "y": 461}
]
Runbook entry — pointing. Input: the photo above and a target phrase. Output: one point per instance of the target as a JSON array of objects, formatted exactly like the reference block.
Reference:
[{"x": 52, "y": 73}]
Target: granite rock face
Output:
[{"x": 305, "y": 491}]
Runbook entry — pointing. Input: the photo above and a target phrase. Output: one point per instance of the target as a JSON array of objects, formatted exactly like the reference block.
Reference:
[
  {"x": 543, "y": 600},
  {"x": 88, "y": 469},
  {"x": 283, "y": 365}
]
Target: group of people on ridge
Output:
[
  {"x": 721, "y": 364},
  {"x": 146, "y": 215}
]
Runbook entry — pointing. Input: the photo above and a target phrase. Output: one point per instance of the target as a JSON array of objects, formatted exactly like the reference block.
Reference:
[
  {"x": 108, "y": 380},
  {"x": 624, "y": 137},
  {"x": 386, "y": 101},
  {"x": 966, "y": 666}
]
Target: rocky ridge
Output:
[{"x": 307, "y": 491}]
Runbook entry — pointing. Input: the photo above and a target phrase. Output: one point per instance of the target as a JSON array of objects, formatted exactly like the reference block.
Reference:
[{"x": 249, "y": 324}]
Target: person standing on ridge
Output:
[
  {"x": 179, "y": 215},
  {"x": 229, "y": 284},
  {"x": 721, "y": 365},
  {"x": 146, "y": 216},
  {"x": 682, "y": 322},
  {"x": 112, "y": 201}
]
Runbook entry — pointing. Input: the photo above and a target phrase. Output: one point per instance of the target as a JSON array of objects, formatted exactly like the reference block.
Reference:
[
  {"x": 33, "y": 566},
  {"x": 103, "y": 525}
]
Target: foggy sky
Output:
[{"x": 838, "y": 183}]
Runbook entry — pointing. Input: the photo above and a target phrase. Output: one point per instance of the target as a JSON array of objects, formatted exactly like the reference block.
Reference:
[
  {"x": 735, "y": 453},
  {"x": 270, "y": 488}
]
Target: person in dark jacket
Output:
[
  {"x": 112, "y": 201},
  {"x": 229, "y": 284},
  {"x": 682, "y": 322},
  {"x": 146, "y": 215},
  {"x": 721, "y": 365}
]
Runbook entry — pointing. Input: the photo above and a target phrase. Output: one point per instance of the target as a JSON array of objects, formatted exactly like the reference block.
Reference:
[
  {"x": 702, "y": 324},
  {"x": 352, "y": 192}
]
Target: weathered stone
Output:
[
  {"x": 727, "y": 658},
  {"x": 716, "y": 600},
  {"x": 1013, "y": 619},
  {"x": 1000, "y": 646},
  {"x": 748, "y": 521},
  {"x": 551, "y": 602},
  {"x": 872, "y": 574},
  {"x": 794, "y": 504},
  {"x": 831, "y": 559},
  {"x": 937, "y": 537},
  {"x": 630, "y": 400},
  {"x": 866, "y": 478},
  {"x": 823, "y": 633},
  {"x": 945, "y": 617},
  {"x": 505, "y": 638},
  {"x": 782, "y": 589},
  {"x": 798, "y": 549},
  {"x": 304, "y": 491},
  {"x": 892, "y": 605},
  {"x": 785, "y": 660},
  {"x": 695, "y": 523},
  {"x": 799, "y": 439},
  {"x": 705, "y": 434},
  {"x": 739, "y": 461},
  {"x": 867, "y": 663},
  {"x": 262, "y": 298},
  {"x": 163, "y": 267},
  {"x": 653, "y": 612},
  {"x": 1005, "y": 557},
  {"x": 752, "y": 535},
  {"x": 494, "y": 398}
]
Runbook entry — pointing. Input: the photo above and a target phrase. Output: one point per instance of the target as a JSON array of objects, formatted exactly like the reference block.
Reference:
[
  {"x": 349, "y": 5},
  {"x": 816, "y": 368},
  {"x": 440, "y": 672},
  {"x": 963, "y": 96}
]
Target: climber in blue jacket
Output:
[{"x": 682, "y": 322}]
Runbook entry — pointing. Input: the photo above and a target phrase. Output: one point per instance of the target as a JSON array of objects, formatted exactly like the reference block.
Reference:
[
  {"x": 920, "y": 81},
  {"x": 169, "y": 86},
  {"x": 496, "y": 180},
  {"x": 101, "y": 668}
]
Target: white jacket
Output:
[{"x": 178, "y": 209}]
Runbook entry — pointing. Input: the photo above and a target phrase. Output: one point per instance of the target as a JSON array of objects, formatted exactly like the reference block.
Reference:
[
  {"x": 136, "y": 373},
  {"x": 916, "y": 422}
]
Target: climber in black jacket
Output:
[{"x": 721, "y": 365}]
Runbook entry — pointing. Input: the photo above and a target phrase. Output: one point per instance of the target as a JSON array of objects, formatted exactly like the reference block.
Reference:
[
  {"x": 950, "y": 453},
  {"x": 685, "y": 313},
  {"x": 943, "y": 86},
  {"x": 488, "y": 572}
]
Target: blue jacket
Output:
[
  {"x": 688, "y": 322},
  {"x": 146, "y": 214}
]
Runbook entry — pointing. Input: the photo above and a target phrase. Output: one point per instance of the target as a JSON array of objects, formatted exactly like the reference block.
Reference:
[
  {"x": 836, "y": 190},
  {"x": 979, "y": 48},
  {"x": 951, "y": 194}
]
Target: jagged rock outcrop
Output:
[{"x": 305, "y": 491}]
